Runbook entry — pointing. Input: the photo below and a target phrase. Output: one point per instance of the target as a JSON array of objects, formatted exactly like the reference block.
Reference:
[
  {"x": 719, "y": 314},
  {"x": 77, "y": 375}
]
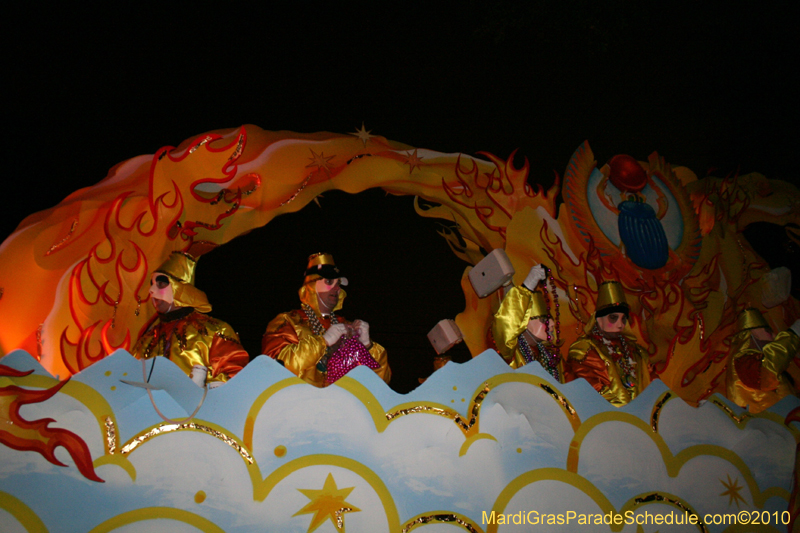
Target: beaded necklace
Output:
[
  {"x": 547, "y": 358},
  {"x": 318, "y": 329},
  {"x": 549, "y": 273},
  {"x": 625, "y": 360}
]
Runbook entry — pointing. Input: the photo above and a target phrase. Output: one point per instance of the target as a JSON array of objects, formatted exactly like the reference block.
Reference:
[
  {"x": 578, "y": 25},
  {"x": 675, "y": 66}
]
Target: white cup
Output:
[{"x": 198, "y": 375}]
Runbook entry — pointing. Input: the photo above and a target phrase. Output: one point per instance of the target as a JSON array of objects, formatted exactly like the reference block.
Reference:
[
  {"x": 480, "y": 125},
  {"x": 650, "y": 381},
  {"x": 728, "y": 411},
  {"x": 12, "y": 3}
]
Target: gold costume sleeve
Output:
[
  {"x": 196, "y": 339},
  {"x": 226, "y": 356},
  {"x": 761, "y": 369},
  {"x": 378, "y": 353},
  {"x": 291, "y": 342},
  {"x": 510, "y": 321}
]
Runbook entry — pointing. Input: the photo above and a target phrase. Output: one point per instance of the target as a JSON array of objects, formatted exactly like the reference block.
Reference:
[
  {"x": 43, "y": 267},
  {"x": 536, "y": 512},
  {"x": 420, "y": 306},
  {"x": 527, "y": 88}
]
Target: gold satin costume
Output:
[
  {"x": 603, "y": 366},
  {"x": 186, "y": 335},
  {"x": 756, "y": 377},
  {"x": 518, "y": 307},
  {"x": 290, "y": 339}
]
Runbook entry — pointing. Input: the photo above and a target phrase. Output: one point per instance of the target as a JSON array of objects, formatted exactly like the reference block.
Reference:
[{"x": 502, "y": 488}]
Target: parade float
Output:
[{"x": 478, "y": 446}]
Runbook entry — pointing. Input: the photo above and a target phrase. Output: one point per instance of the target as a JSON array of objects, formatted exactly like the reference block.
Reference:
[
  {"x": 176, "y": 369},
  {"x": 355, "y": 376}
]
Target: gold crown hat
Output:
[
  {"x": 321, "y": 266},
  {"x": 538, "y": 305},
  {"x": 180, "y": 269},
  {"x": 610, "y": 294},
  {"x": 750, "y": 318}
]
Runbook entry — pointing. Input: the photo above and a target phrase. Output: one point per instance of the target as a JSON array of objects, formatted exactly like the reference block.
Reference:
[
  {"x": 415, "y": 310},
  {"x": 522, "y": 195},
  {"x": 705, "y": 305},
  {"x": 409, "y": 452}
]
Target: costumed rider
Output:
[
  {"x": 316, "y": 344},
  {"x": 605, "y": 355},
  {"x": 756, "y": 375},
  {"x": 207, "y": 349},
  {"x": 522, "y": 327}
]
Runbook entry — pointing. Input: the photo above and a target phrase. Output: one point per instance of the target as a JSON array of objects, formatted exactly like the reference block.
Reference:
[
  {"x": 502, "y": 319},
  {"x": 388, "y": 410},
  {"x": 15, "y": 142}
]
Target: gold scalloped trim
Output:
[
  {"x": 468, "y": 426},
  {"x": 111, "y": 436},
  {"x": 728, "y": 411},
  {"x": 169, "y": 428},
  {"x": 657, "y": 497},
  {"x": 442, "y": 518},
  {"x": 667, "y": 396}
]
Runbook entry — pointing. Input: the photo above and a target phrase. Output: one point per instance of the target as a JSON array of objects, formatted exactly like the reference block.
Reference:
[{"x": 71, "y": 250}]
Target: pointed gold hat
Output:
[
  {"x": 180, "y": 268},
  {"x": 751, "y": 318}
]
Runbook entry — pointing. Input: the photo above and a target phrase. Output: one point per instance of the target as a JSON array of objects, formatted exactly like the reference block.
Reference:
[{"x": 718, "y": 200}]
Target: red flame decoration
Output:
[{"x": 36, "y": 435}]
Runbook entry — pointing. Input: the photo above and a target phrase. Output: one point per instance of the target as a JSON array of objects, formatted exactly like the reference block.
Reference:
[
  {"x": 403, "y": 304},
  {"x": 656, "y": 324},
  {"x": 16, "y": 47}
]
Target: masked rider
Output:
[
  {"x": 756, "y": 375},
  {"x": 522, "y": 327},
  {"x": 207, "y": 349},
  {"x": 605, "y": 355},
  {"x": 315, "y": 343}
]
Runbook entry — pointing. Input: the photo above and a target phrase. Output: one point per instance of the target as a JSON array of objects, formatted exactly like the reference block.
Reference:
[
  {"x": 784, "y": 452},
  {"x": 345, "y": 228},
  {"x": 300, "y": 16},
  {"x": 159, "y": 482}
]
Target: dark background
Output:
[{"x": 711, "y": 86}]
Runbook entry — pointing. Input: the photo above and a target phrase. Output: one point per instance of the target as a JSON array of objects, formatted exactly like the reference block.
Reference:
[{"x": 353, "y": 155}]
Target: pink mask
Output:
[
  {"x": 538, "y": 328},
  {"x": 160, "y": 287},
  {"x": 327, "y": 293},
  {"x": 326, "y": 285}
]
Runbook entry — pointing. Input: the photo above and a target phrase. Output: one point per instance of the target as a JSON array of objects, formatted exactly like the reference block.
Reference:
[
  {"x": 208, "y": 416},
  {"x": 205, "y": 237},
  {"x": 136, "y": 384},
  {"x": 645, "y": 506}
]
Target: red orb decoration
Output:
[{"x": 626, "y": 173}]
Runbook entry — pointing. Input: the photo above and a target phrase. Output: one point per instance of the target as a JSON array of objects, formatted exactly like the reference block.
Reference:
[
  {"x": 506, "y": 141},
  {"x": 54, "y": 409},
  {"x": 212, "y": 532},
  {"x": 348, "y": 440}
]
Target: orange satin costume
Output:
[
  {"x": 518, "y": 307},
  {"x": 756, "y": 377},
  {"x": 591, "y": 359},
  {"x": 290, "y": 339},
  {"x": 186, "y": 335}
]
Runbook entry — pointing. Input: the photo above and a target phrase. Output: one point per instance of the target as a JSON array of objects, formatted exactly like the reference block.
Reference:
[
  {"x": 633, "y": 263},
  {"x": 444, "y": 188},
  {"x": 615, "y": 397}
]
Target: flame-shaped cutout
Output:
[{"x": 37, "y": 435}]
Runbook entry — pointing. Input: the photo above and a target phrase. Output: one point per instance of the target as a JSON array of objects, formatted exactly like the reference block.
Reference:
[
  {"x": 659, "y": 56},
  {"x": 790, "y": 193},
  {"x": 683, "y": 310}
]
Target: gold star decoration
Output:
[
  {"x": 363, "y": 134},
  {"x": 320, "y": 161},
  {"x": 733, "y": 491},
  {"x": 327, "y": 503},
  {"x": 412, "y": 160}
]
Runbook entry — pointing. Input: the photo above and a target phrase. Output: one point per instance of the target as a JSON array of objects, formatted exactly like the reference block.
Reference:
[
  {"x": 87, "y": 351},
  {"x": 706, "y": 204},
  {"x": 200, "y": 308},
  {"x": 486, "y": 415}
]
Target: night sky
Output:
[{"x": 711, "y": 87}]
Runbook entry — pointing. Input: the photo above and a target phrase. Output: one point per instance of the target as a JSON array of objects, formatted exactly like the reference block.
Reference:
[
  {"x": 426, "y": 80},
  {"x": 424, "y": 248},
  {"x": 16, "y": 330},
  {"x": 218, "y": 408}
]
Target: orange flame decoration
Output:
[
  {"x": 77, "y": 273},
  {"x": 36, "y": 435}
]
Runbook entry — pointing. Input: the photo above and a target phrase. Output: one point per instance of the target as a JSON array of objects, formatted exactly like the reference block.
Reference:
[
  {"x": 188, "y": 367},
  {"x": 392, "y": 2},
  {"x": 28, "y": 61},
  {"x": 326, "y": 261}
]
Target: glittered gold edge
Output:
[
  {"x": 169, "y": 428},
  {"x": 667, "y": 396},
  {"x": 298, "y": 191},
  {"x": 111, "y": 436},
  {"x": 475, "y": 407},
  {"x": 63, "y": 241},
  {"x": 728, "y": 411},
  {"x": 657, "y": 497},
  {"x": 560, "y": 399},
  {"x": 465, "y": 425},
  {"x": 440, "y": 517},
  {"x": 205, "y": 140},
  {"x": 339, "y": 515}
]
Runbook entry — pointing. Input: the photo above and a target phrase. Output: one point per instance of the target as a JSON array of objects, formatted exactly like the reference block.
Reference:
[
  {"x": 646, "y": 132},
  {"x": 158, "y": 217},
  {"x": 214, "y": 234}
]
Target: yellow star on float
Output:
[
  {"x": 363, "y": 134},
  {"x": 327, "y": 503},
  {"x": 320, "y": 161},
  {"x": 733, "y": 491},
  {"x": 412, "y": 160}
]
